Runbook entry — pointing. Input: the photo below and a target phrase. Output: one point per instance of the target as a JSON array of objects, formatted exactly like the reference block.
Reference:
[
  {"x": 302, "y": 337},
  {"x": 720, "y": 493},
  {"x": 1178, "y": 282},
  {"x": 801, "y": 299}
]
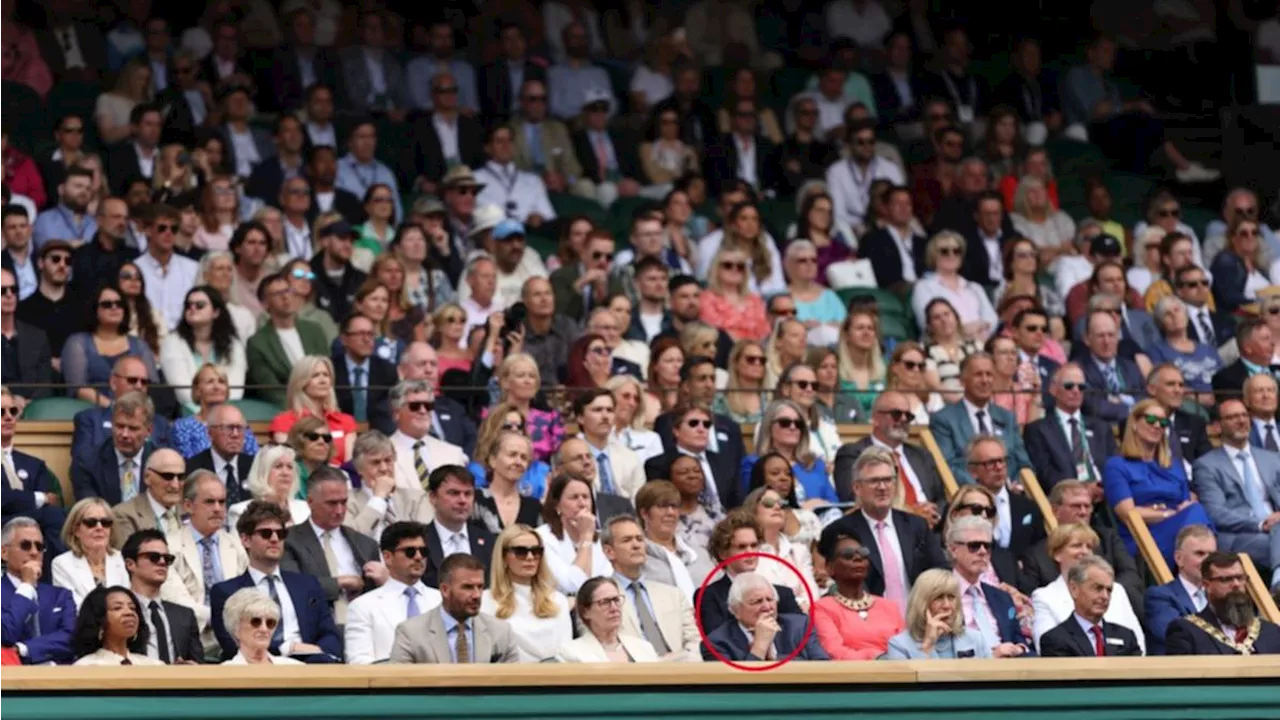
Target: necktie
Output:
[
  {"x": 126, "y": 661},
  {"x": 535, "y": 144},
  {"x": 606, "y": 478},
  {"x": 331, "y": 560},
  {"x": 359, "y": 395},
  {"x": 460, "y": 646},
  {"x": 1206, "y": 329},
  {"x": 602, "y": 155},
  {"x": 1251, "y": 491},
  {"x": 128, "y": 483},
  {"x": 1270, "y": 441},
  {"x": 460, "y": 544},
  {"x": 10, "y": 473},
  {"x": 983, "y": 428},
  {"x": 909, "y": 495},
  {"x": 33, "y": 621},
  {"x": 420, "y": 465},
  {"x": 412, "y": 608},
  {"x": 1077, "y": 442},
  {"x": 1099, "y": 644},
  {"x": 1241, "y": 634},
  {"x": 171, "y": 523},
  {"x": 207, "y": 569},
  {"x": 1113, "y": 380},
  {"x": 648, "y": 625},
  {"x": 233, "y": 485},
  {"x": 981, "y": 618},
  {"x": 1200, "y": 600},
  {"x": 162, "y": 635},
  {"x": 278, "y": 636},
  {"x": 894, "y": 588}
]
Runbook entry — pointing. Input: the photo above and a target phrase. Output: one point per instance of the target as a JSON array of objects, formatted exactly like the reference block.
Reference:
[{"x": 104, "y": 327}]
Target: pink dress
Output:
[
  {"x": 846, "y": 636},
  {"x": 743, "y": 322},
  {"x": 447, "y": 364}
]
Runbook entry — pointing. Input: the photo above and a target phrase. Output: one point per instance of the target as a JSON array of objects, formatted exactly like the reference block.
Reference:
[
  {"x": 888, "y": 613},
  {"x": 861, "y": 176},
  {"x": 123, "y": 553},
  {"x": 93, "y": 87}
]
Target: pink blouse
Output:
[
  {"x": 846, "y": 636},
  {"x": 746, "y": 321}
]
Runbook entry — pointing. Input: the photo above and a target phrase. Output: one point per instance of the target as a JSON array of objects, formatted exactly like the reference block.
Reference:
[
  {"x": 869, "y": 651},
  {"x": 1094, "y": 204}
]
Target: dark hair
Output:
[
  {"x": 397, "y": 532},
  {"x": 555, "y": 491},
  {"x": 928, "y": 309},
  {"x": 1184, "y": 271},
  {"x": 157, "y": 211},
  {"x": 442, "y": 474},
  {"x": 986, "y": 195},
  {"x": 723, "y": 532},
  {"x": 802, "y": 220},
  {"x": 584, "y": 399},
  {"x": 456, "y": 562},
  {"x": 268, "y": 281},
  {"x": 657, "y": 349},
  {"x": 678, "y": 281},
  {"x": 147, "y": 329},
  {"x": 1029, "y": 312},
  {"x": 830, "y": 539},
  {"x": 645, "y": 264},
  {"x": 1247, "y": 327},
  {"x": 989, "y": 149},
  {"x": 493, "y": 130},
  {"x": 564, "y": 250},
  {"x": 1217, "y": 559},
  {"x": 91, "y": 318},
  {"x": 14, "y": 209},
  {"x": 1010, "y": 247},
  {"x": 583, "y": 600},
  {"x": 241, "y": 235},
  {"x": 310, "y": 92},
  {"x": 346, "y": 322},
  {"x": 317, "y": 149},
  {"x": 257, "y": 513},
  {"x": 368, "y": 193},
  {"x": 284, "y": 118},
  {"x": 358, "y": 123},
  {"x": 223, "y": 331},
  {"x": 693, "y": 363},
  {"x": 757, "y": 477},
  {"x": 577, "y": 376},
  {"x": 140, "y": 111},
  {"x": 1171, "y": 239},
  {"x": 78, "y": 170},
  {"x": 91, "y": 622},
  {"x": 136, "y": 541}
]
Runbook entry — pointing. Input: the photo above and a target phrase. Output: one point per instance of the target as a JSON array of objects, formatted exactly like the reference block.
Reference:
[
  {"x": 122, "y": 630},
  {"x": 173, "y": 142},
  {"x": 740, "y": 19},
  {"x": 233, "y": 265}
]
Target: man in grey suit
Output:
[
  {"x": 456, "y": 633},
  {"x": 361, "y": 91},
  {"x": 345, "y": 562},
  {"x": 890, "y": 427},
  {"x": 1239, "y": 486},
  {"x": 955, "y": 425}
]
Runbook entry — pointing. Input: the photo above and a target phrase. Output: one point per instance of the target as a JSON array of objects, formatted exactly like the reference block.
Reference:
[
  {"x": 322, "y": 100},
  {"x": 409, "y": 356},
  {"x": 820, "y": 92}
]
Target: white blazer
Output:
[
  {"x": 1053, "y": 605},
  {"x": 103, "y": 656},
  {"x": 560, "y": 555},
  {"x": 372, "y": 619},
  {"x": 185, "y": 584},
  {"x": 626, "y": 467},
  {"x": 238, "y": 659},
  {"x": 73, "y": 573},
  {"x": 179, "y": 365},
  {"x": 587, "y": 649},
  {"x": 674, "y": 613}
]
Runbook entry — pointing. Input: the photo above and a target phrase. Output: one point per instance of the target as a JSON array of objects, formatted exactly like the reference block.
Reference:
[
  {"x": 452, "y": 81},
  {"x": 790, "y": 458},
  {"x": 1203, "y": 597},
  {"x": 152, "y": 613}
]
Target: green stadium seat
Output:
[
  {"x": 256, "y": 410},
  {"x": 567, "y": 205},
  {"x": 544, "y": 245},
  {"x": 778, "y": 215},
  {"x": 55, "y": 408}
]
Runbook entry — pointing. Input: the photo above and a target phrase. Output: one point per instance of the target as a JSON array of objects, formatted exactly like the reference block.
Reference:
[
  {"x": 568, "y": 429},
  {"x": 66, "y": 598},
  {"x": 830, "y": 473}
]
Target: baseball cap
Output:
[
  {"x": 341, "y": 228},
  {"x": 1105, "y": 245},
  {"x": 508, "y": 228}
]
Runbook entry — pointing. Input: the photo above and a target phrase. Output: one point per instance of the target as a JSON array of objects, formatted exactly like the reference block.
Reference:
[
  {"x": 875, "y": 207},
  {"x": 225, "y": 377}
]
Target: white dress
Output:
[
  {"x": 560, "y": 555},
  {"x": 536, "y": 638},
  {"x": 274, "y": 660}
]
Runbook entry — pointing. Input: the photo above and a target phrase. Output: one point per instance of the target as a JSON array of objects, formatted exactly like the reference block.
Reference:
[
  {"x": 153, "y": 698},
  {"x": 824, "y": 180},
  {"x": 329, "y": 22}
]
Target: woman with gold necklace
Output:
[{"x": 852, "y": 623}]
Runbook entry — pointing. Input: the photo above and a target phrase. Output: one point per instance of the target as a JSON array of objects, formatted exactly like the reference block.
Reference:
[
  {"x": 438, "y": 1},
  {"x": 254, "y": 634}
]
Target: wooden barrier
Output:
[
  {"x": 1147, "y": 546},
  {"x": 1036, "y": 493},
  {"x": 1258, "y": 590}
]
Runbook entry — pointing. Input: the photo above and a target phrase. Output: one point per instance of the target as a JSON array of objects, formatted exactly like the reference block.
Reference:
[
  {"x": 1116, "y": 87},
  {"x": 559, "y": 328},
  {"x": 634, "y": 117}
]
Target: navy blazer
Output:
[
  {"x": 1069, "y": 640},
  {"x": 382, "y": 377},
  {"x": 92, "y": 427},
  {"x": 713, "y": 604},
  {"x": 921, "y": 549},
  {"x": 731, "y": 642},
  {"x": 1050, "y": 450},
  {"x": 98, "y": 474},
  {"x": 315, "y": 619},
  {"x": 721, "y": 158},
  {"x": 1001, "y": 604},
  {"x": 1098, "y": 403},
  {"x": 56, "y": 610},
  {"x": 1137, "y": 333},
  {"x": 726, "y": 464},
  {"x": 1229, "y": 275},
  {"x": 496, "y": 93},
  {"x": 880, "y": 247},
  {"x": 1186, "y": 639},
  {"x": 1193, "y": 436},
  {"x": 953, "y": 430},
  {"x": 481, "y": 549},
  {"x": 33, "y": 477},
  {"x": 1164, "y": 604},
  {"x": 458, "y": 428},
  {"x": 427, "y": 158}
]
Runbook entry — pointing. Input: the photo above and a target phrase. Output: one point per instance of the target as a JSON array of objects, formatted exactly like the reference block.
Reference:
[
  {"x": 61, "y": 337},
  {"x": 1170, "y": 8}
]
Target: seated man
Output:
[
  {"x": 38, "y": 618},
  {"x": 1065, "y": 444},
  {"x": 1229, "y": 624},
  {"x": 373, "y": 617},
  {"x": 732, "y": 536},
  {"x": 1185, "y": 594},
  {"x": 655, "y": 611},
  {"x": 113, "y": 470},
  {"x": 1086, "y": 633},
  {"x": 956, "y": 424},
  {"x": 988, "y": 610},
  {"x": 33, "y": 490},
  {"x": 456, "y": 633},
  {"x": 93, "y": 426},
  {"x": 757, "y": 631}
]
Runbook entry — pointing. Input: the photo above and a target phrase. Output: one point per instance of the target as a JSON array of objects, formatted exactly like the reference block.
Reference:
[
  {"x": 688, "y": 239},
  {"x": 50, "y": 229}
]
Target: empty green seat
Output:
[
  {"x": 55, "y": 408},
  {"x": 256, "y": 410},
  {"x": 567, "y": 205}
]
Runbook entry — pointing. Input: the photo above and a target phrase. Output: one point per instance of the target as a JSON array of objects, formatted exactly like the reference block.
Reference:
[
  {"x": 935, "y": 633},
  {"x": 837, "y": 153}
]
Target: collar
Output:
[
  {"x": 450, "y": 622},
  {"x": 219, "y": 462},
  {"x": 1003, "y": 495},
  {"x": 888, "y": 520},
  {"x": 201, "y": 538},
  {"x": 136, "y": 458},
  {"x": 1190, "y": 587},
  {"x": 1254, "y": 369},
  {"x": 625, "y": 582},
  {"x": 973, "y": 409},
  {"x": 1103, "y": 364},
  {"x": 156, "y": 507},
  {"x": 14, "y": 580},
  {"x": 508, "y": 169},
  {"x": 965, "y": 585},
  {"x": 352, "y": 364},
  {"x": 321, "y": 532},
  {"x": 145, "y": 601},
  {"x": 700, "y": 455},
  {"x": 881, "y": 444},
  {"x": 257, "y": 575},
  {"x": 1065, "y": 418},
  {"x": 595, "y": 451},
  {"x": 1087, "y": 625}
]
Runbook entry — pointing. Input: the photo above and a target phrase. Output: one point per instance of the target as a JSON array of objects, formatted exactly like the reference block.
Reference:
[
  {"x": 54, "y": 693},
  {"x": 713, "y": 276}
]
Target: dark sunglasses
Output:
[
  {"x": 534, "y": 98},
  {"x": 1175, "y": 212},
  {"x": 974, "y": 546},
  {"x": 156, "y": 558},
  {"x": 134, "y": 381},
  {"x": 854, "y": 553},
  {"x": 130, "y": 275},
  {"x": 1193, "y": 283},
  {"x": 949, "y": 252},
  {"x": 257, "y": 622},
  {"x": 8, "y": 290},
  {"x": 694, "y": 422},
  {"x": 1074, "y": 386},
  {"x": 110, "y": 304},
  {"x": 912, "y": 365},
  {"x": 270, "y": 533},
  {"x": 197, "y": 305},
  {"x": 602, "y": 256},
  {"x": 314, "y": 436},
  {"x": 525, "y": 552},
  {"x": 805, "y": 384},
  {"x": 785, "y": 312},
  {"x": 976, "y": 509},
  {"x": 164, "y": 228},
  {"x": 58, "y": 259},
  {"x": 1156, "y": 420},
  {"x": 72, "y": 130},
  {"x": 97, "y": 522},
  {"x": 739, "y": 266},
  {"x": 753, "y": 359},
  {"x": 413, "y": 551},
  {"x": 168, "y": 476},
  {"x": 418, "y": 406},
  {"x": 27, "y": 545},
  {"x": 12, "y": 412},
  {"x": 1034, "y": 328},
  {"x": 896, "y": 415},
  {"x": 789, "y": 423}
]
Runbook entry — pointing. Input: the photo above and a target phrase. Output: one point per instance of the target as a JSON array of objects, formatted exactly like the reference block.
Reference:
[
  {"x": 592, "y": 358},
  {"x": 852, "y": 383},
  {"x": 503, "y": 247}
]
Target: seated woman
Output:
[
  {"x": 376, "y": 231},
  {"x": 1238, "y": 272},
  {"x": 775, "y": 471},
  {"x": 631, "y": 350},
  {"x": 518, "y": 384},
  {"x": 312, "y": 445},
  {"x": 631, "y": 411},
  {"x": 109, "y": 629},
  {"x": 935, "y": 623},
  {"x": 418, "y": 291},
  {"x": 945, "y": 347},
  {"x": 832, "y": 240},
  {"x": 1146, "y": 256},
  {"x": 569, "y": 534},
  {"x": 818, "y": 307},
  {"x": 774, "y": 636},
  {"x": 699, "y": 512},
  {"x": 1145, "y": 477},
  {"x": 766, "y": 506},
  {"x": 860, "y": 359},
  {"x": 146, "y": 322},
  {"x": 1197, "y": 361},
  {"x": 1022, "y": 268},
  {"x": 851, "y": 623},
  {"x": 449, "y": 337},
  {"x": 787, "y": 345},
  {"x": 666, "y": 357},
  {"x": 907, "y": 374},
  {"x": 664, "y": 157},
  {"x": 504, "y": 503},
  {"x": 729, "y": 303},
  {"x": 1053, "y": 603},
  {"x": 90, "y": 561},
  {"x": 273, "y": 478},
  {"x": 88, "y": 356},
  {"x": 218, "y": 270},
  {"x": 835, "y": 406},
  {"x": 1017, "y": 383},
  {"x": 190, "y": 434},
  {"x": 599, "y": 608},
  {"x": 303, "y": 283},
  {"x": 784, "y": 430},
  {"x": 522, "y": 592},
  {"x": 501, "y": 418},
  {"x": 252, "y": 616},
  {"x": 799, "y": 384},
  {"x": 310, "y": 393},
  {"x": 944, "y": 256},
  {"x": 671, "y": 560},
  {"x": 205, "y": 336},
  {"x": 1036, "y": 219}
]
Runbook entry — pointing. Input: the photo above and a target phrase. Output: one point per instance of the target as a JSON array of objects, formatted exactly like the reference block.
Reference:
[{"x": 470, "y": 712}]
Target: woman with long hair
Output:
[
  {"x": 908, "y": 375},
  {"x": 775, "y": 471},
  {"x": 1197, "y": 361},
  {"x": 376, "y": 231},
  {"x": 522, "y": 592},
  {"x": 89, "y": 356},
  {"x": 373, "y": 300},
  {"x": 425, "y": 286},
  {"x": 569, "y": 532},
  {"x": 766, "y": 506},
  {"x": 935, "y": 626},
  {"x": 205, "y": 336},
  {"x": 787, "y": 345},
  {"x": 89, "y": 561},
  {"x": 404, "y": 317},
  {"x": 946, "y": 347},
  {"x": 861, "y": 362},
  {"x": 210, "y": 387},
  {"x": 1035, "y": 218},
  {"x": 832, "y": 240},
  {"x": 310, "y": 392},
  {"x": 589, "y": 363},
  {"x": 449, "y": 324},
  {"x": 680, "y": 231},
  {"x": 836, "y": 406},
  {"x": 518, "y": 384},
  {"x": 728, "y": 304},
  {"x": 817, "y": 306},
  {"x": 744, "y": 231},
  {"x": 1036, "y": 164},
  {"x": 944, "y": 256},
  {"x": 1003, "y": 148},
  {"x": 572, "y": 242},
  {"x": 146, "y": 322},
  {"x": 630, "y": 417},
  {"x": 666, "y": 357},
  {"x": 664, "y": 156},
  {"x": 784, "y": 430},
  {"x": 114, "y": 109},
  {"x": 219, "y": 213},
  {"x": 1017, "y": 383},
  {"x": 746, "y": 397},
  {"x": 501, "y": 418},
  {"x": 273, "y": 478},
  {"x": 109, "y": 629},
  {"x": 1022, "y": 266},
  {"x": 799, "y": 384},
  {"x": 1237, "y": 271},
  {"x": 312, "y": 444},
  {"x": 217, "y": 270},
  {"x": 508, "y": 498}
]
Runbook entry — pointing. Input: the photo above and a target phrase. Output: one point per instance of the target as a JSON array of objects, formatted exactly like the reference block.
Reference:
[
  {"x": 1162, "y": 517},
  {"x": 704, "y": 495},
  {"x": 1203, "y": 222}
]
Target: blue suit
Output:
[
  {"x": 457, "y": 427},
  {"x": 1099, "y": 404},
  {"x": 1050, "y": 449},
  {"x": 732, "y": 643},
  {"x": 97, "y": 473},
  {"x": 315, "y": 619},
  {"x": 953, "y": 430},
  {"x": 1216, "y": 479},
  {"x": 93, "y": 427},
  {"x": 34, "y": 477},
  {"x": 1164, "y": 604},
  {"x": 1001, "y": 604},
  {"x": 56, "y": 611}
]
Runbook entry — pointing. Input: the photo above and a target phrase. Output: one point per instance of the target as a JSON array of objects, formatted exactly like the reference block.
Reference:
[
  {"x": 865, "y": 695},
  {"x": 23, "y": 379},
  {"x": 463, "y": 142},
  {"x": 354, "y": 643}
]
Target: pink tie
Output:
[{"x": 893, "y": 588}]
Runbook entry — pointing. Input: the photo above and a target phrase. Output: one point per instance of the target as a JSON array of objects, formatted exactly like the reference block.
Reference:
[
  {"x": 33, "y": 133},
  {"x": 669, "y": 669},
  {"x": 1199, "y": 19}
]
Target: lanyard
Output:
[
  {"x": 359, "y": 172},
  {"x": 863, "y": 186},
  {"x": 68, "y": 219},
  {"x": 955, "y": 92},
  {"x": 508, "y": 180}
]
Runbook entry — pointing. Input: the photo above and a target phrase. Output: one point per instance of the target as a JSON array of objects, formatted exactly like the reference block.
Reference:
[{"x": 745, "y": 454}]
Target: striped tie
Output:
[{"x": 420, "y": 465}]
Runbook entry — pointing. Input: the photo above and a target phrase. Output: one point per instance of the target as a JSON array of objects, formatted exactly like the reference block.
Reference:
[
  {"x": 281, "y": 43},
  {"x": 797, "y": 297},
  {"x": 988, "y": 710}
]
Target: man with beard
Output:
[
  {"x": 456, "y": 633},
  {"x": 686, "y": 302},
  {"x": 1229, "y": 624},
  {"x": 69, "y": 220},
  {"x": 373, "y": 617},
  {"x": 51, "y": 308}
]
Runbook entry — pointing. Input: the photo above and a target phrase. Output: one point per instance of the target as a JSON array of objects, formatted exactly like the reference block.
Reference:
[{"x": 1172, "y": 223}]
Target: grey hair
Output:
[
  {"x": 207, "y": 261},
  {"x": 874, "y": 456},
  {"x": 1163, "y": 305},
  {"x": 131, "y": 403},
  {"x": 967, "y": 524},
  {"x": 247, "y": 601},
  {"x": 797, "y": 245},
  {"x": 475, "y": 261},
  {"x": 1078, "y": 572},
  {"x": 404, "y": 389},
  {"x": 369, "y": 442},
  {"x": 191, "y": 486},
  {"x": 745, "y": 583},
  {"x": 1096, "y": 301},
  {"x": 12, "y": 527},
  {"x": 978, "y": 440},
  {"x": 326, "y": 474},
  {"x": 607, "y": 533}
]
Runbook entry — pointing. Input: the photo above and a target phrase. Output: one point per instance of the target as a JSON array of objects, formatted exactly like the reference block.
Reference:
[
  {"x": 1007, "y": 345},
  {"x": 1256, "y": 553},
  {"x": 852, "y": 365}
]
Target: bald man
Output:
[
  {"x": 93, "y": 426},
  {"x": 449, "y": 421},
  {"x": 229, "y": 455},
  {"x": 158, "y": 507}
]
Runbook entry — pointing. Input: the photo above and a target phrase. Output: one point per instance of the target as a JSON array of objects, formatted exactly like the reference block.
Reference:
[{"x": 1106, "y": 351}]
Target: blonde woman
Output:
[
  {"x": 312, "y": 444},
  {"x": 217, "y": 270},
  {"x": 1035, "y": 218},
  {"x": 403, "y": 318},
  {"x": 190, "y": 434},
  {"x": 799, "y": 384},
  {"x": 787, "y": 345},
  {"x": 820, "y": 309},
  {"x": 944, "y": 256},
  {"x": 518, "y": 383},
  {"x": 768, "y": 508},
  {"x": 1146, "y": 259},
  {"x": 251, "y": 618},
  {"x": 728, "y": 304},
  {"x": 784, "y": 429},
  {"x": 449, "y": 337},
  {"x": 744, "y": 231},
  {"x": 699, "y": 339},
  {"x": 310, "y": 392},
  {"x": 935, "y": 623},
  {"x": 745, "y": 398},
  {"x": 836, "y": 406},
  {"x": 89, "y": 561},
  {"x": 522, "y": 592},
  {"x": 507, "y": 492},
  {"x": 273, "y": 478},
  {"x": 631, "y": 414},
  {"x": 1238, "y": 271},
  {"x": 114, "y": 109},
  {"x": 861, "y": 362}
]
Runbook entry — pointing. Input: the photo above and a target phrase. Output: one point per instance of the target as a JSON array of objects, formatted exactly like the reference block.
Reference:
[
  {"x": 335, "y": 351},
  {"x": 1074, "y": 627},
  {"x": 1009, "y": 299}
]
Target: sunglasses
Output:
[
  {"x": 864, "y": 142},
  {"x": 513, "y": 427},
  {"x": 8, "y": 290},
  {"x": 97, "y": 522},
  {"x": 168, "y": 476},
  {"x": 164, "y": 228},
  {"x": 1034, "y": 328},
  {"x": 110, "y": 304},
  {"x": 949, "y": 252},
  {"x": 270, "y": 533},
  {"x": 258, "y": 622},
  {"x": 418, "y": 406},
  {"x": 129, "y": 275},
  {"x": 738, "y": 266},
  {"x": 197, "y": 305},
  {"x": 29, "y": 545},
  {"x": 157, "y": 558},
  {"x": 133, "y": 381},
  {"x": 974, "y": 546},
  {"x": 1156, "y": 420},
  {"x": 1175, "y": 212},
  {"x": 10, "y": 412},
  {"x": 770, "y": 502},
  {"x": 314, "y": 436},
  {"x": 789, "y": 423},
  {"x": 58, "y": 259},
  {"x": 602, "y": 256},
  {"x": 910, "y": 365},
  {"x": 695, "y": 423},
  {"x": 300, "y": 274},
  {"x": 854, "y": 553},
  {"x": 896, "y": 415},
  {"x": 1073, "y": 386},
  {"x": 1193, "y": 283},
  {"x": 413, "y": 551},
  {"x": 976, "y": 509},
  {"x": 524, "y": 552},
  {"x": 753, "y": 359},
  {"x": 805, "y": 384}
]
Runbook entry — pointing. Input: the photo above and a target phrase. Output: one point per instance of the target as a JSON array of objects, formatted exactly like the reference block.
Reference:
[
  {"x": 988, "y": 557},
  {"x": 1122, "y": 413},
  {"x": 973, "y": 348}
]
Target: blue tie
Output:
[
  {"x": 278, "y": 636},
  {"x": 1251, "y": 492},
  {"x": 359, "y": 395},
  {"x": 1113, "y": 381},
  {"x": 606, "y": 478},
  {"x": 535, "y": 145},
  {"x": 412, "y": 593}
]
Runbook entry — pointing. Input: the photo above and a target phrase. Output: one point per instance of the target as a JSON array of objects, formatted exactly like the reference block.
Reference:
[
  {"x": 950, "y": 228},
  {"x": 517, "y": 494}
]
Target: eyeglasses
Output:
[
  {"x": 978, "y": 509},
  {"x": 129, "y": 275},
  {"x": 974, "y": 546},
  {"x": 1074, "y": 386},
  {"x": 696, "y": 423},
  {"x": 326, "y": 438},
  {"x": 164, "y": 228},
  {"x": 168, "y": 476},
  {"x": 991, "y": 464},
  {"x": 157, "y": 558},
  {"x": 58, "y": 258},
  {"x": 270, "y": 533},
  {"x": 882, "y": 481},
  {"x": 513, "y": 427},
  {"x": 196, "y": 305},
  {"x": 949, "y": 252},
  {"x": 300, "y": 274},
  {"x": 854, "y": 553},
  {"x": 805, "y": 384},
  {"x": 1156, "y": 420},
  {"x": 97, "y": 522},
  {"x": 737, "y": 266},
  {"x": 615, "y": 601},
  {"x": 8, "y": 290},
  {"x": 233, "y": 429},
  {"x": 258, "y": 622},
  {"x": 8, "y": 412},
  {"x": 418, "y": 406},
  {"x": 790, "y": 423},
  {"x": 602, "y": 256},
  {"x": 524, "y": 552},
  {"x": 598, "y": 350},
  {"x": 28, "y": 545},
  {"x": 770, "y": 502},
  {"x": 895, "y": 414},
  {"x": 413, "y": 551},
  {"x": 753, "y": 359},
  {"x": 1193, "y": 283},
  {"x": 912, "y": 365}
]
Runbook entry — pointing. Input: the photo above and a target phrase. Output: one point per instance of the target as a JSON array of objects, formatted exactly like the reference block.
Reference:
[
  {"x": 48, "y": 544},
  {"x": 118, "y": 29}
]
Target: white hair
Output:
[
  {"x": 745, "y": 583},
  {"x": 962, "y": 525},
  {"x": 12, "y": 527},
  {"x": 250, "y": 602}
]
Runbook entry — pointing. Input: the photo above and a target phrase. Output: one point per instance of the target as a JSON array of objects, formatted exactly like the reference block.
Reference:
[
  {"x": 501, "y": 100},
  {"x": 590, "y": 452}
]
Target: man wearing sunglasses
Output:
[
  {"x": 543, "y": 144},
  {"x": 159, "y": 506},
  {"x": 51, "y": 308},
  {"x": 1066, "y": 444},
  {"x": 373, "y": 617},
  {"x": 987, "y": 609},
  {"x": 922, "y": 489},
  {"x": 38, "y": 618},
  {"x": 1206, "y": 326},
  {"x": 1018, "y": 524},
  {"x": 418, "y": 453},
  {"x": 168, "y": 275},
  {"x": 174, "y": 632},
  {"x": 444, "y": 136},
  {"x": 580, "y": 287}
]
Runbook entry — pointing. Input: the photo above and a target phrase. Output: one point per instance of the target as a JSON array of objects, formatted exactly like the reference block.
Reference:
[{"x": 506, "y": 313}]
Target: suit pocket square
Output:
[
  {"x": 1026, "y": 519},
  {"x": 57, "y": 609},
  {"x": 1115, "y": 641}
]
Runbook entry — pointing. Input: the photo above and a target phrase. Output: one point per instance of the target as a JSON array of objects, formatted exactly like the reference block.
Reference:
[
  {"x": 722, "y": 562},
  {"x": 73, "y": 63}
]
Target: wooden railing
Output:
[
  {"x": 1258, "y": 590},
  {"x": 1147, "y": 546},
  {"x": 1036, "y": 493}
]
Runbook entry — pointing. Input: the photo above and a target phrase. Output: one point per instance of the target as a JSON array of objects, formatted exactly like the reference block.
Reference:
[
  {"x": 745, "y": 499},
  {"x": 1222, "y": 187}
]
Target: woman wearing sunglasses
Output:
[
  {"x": 944, "y": 255},
  {"x": 89, "y": 561},
  {"x": 509, "y": 497},
  {"x": 146, "y": 322},
  {"x": 205, "y": 336},
  {"x": 312, "y": 444},
  {"x": 852, "y": 624},
  {"x": 908, "y": 374},
  {"x": 273, "y": 478},
  {"x": 253, "y": 618},
  {"x": 784, "y": 429},
  {"x": 303, "y": 283},
  {"x": 769, "y": 511},
  {"x": 799, "y": 384},
  {"x": 1145, "y": 477},
  {"x": 109, "y": 629},
  {"x": 88, "y": 357},
  {"x": 745, "y": 398},
  {"x": 522, "y": 592},
  {"x": 1238, "y": 272},
  {"x": 728, "y": 303}
]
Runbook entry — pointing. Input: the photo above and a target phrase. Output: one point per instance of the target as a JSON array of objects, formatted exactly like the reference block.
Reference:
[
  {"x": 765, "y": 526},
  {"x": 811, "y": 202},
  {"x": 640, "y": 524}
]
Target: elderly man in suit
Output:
[
  {"x": 386, "y": 495},
  {"x": 92, "y": 427},
  {"x": 417, "y": 452},
  {"x": 344, "y": 561},
  {"x": 1117, "y": 379},
  {"x": 372, "y": 618},
  {"x": 1188, "y": 436},
  {"x": 734, "y": 536},
  {"x": 1185, "y": 594},
  {"x": 620, "y": 471},
  {"x": 28, "y": 487},
  {"x": 922, "y": 489},
  {"x": 901, "y": 544},
  {"x": 452, "y": 492},
  {"x": 1260, "y": 399},
  {"x": 1239, "y": 486},
  {"x": 1229, "y": 623},
  {"x": 174, "y": 632},
  {"x": 955, "y": 425},
  {"x": 1086, "y": 633},
  {"x": 1065, "y": 444},
  {"x": 306, "y": 631},
  {"x": 38, "y": 618},
  {"x": 1018, "y": 524},
  {"x": 160, "y": 506},
  {"x": 655, "y": 611},
  {"x": 112, "y": 471},
  {"x": 1257, "y": 346},
  {"x": 269, "y": 359},
  {"x": 758, "y": 630},
  {"x": 449, "y": 421},
  {"x": 226, "y": 457},
  {"x": 988, "y": 610},
  {"x": 456, "y": 633}
]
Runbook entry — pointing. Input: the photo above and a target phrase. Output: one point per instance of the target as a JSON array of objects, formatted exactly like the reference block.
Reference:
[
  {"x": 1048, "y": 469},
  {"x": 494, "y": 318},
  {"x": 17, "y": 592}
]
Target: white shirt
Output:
[
  {"x": 905, "y": 465},
  {"x": 291, "y": 341},
  {"x": 1195, "y": 592},
  {"x": 246, "y": 151},
  {"x": 288, "y": 616},
  {"x": 158, "y": 510},
  {"x": 1004, "y": 519},
  {"x": 560, "y": 554},
  {"x": 830, "y": 112},
  {"x": 453, "y": 542},
  {"x": 536, "y": 638},
  {"x": 894, "y": 547},
  {"x": 69, "y": 42},
  {"x": 903, "y": 242},
  {"x": 747, "y": 160},
  {"x": 477, "y": 315},
  {"x": 146, "y": 163},
  {"x": 850, "y": 186},
  {"x": 342, "y": 552},
  {"x": 519, "y": 194},
  {"x": 167, "y": 285},
  {"x": 297, "y": 241},
  {"x": 448, "y": 134},
  {"x": 1254, "y": 474},
  {"x": 153, "y": 642},
  {"x": 995, "y": 260},
  {"x": 322, "y": 134},
  {"x": 1064, "y": 420}
]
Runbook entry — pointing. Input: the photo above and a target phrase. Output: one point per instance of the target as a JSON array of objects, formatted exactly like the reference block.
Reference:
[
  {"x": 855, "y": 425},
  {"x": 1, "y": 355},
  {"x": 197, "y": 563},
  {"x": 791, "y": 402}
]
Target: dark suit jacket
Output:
[
  {"x": 33, "y": 477},
  {"x": 1224, "y": 329},
  {"x": 496, "y": 93},
  {"x": 336, "y": 299},
  {"x": 1229, "y": 381},
  {"x": 91, "y": 262},
  {"x": 569, "y": 302},
  {"x": 1229, "y": 275},
  {"x": 722, "y": 163},
  {"x": 268, "y": 364},
  {"x": 209, "y": 72},
  {"x": 481, "y": 547},
  {"x": 184, "y": 632},
  {"x": 1186, "y": 639},
  {"x": 179, "y": 119},
  {"x": 428, "y": 160},
  {"x": 33, "y": 360},
  {"x": 977, "y": 263},
  {"x": 287, "y": 89},
  {"x": 244, "y": 462},
  {"x": 1050, "y": 450},
  {"x": 382, "y": 377},
  {"x": 265, "y": 181},
  {"x": 882, "y": 250},
  {"x": 726, "y": 465},
  {"x": 56, "y": 611},
  {"x": 96, "y": 474},
  {"x": 1100, "y": 405},
  {"x": 345, "y": 203},
  {"x": 1001, "y": 604},
  {"x": 1164, "y": 604},
  {"x": 712, "y": 604},
  {"x": 1070, "y": 640},
  {"x": 304, "y": 554},
  {"x": 609, "y": 506},
  {"x": 731, "y": 643},
  {"x": 458, "y": 428},
  {"x": 93, "y": 48},
  {"x": 1019, "y": 93},
  {"x": 1038, "y": 569},
  {"x": 889, "y": 109},
  {"x": 625, "y": 150},
  {"x": 315, "y": 619},
  {"x": 261, "y": 139},
  {"x": 92, "y": 428},
  {"x": 920, "y": 547},
  {"x": 921, "y": 464},
  {"x": 1192, "y": 434},
  {"x": 122, "y": 165},
  {"x": 1026, "y": 523}
]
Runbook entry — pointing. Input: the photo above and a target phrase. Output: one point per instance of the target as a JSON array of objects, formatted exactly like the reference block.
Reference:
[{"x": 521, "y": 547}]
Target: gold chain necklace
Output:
[{"x": 859, "y": 606}]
